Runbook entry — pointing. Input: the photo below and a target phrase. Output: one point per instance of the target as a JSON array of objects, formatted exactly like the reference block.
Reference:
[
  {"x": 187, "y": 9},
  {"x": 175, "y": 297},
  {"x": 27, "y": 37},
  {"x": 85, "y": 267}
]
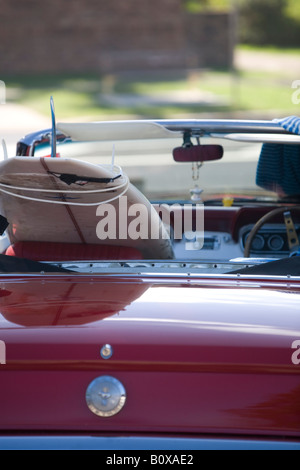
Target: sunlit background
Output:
[
  {"x": 137, "y": 59},
  {"x": 164, "y": 58}
]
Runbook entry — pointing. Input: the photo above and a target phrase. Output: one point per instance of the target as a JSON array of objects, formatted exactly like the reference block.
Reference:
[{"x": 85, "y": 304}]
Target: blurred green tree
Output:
[
  {"x": 196, "y": 6},
  {"x": 261, "y": 22},
  {"x": 268, "y": 22}
]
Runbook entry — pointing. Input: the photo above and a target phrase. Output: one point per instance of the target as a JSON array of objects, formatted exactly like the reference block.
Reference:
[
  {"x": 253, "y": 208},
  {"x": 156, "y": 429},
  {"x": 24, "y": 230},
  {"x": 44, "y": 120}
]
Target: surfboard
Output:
[{"x": 64, "y": 200}]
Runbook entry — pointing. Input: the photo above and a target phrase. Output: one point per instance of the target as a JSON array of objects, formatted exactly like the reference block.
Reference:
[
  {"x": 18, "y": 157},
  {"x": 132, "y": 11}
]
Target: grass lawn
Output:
[
  {"x": 86, "y": 97},
  {"x": 269, "y": 49}
]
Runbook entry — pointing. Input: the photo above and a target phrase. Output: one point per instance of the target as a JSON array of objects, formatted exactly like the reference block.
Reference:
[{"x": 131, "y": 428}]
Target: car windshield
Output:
[
  {"x": 195, "y": 197},
  {"x": 150, "y": 166}
]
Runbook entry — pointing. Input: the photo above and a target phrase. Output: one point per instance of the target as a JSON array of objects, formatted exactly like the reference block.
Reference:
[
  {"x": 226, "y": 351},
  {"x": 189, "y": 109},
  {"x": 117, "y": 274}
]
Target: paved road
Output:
[
  {"x": 17, "y": 121},
  {"x": 285, "y": 64}
]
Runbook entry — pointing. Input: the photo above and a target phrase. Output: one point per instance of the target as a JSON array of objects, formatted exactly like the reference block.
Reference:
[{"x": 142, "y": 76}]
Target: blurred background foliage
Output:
[
  {"x": 260, "y": 82},
  {"x": 261, "y": 22}
]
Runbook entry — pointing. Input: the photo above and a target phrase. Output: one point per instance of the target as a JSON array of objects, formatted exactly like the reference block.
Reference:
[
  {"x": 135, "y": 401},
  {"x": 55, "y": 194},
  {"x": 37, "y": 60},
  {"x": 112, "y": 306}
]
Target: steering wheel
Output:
[{"x": 290, "y": 228}]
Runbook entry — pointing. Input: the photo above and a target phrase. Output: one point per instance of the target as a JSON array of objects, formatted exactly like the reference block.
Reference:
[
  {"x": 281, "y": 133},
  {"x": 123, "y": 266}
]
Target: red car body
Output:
[
  {"x": 199, "y": 358},
  {"x": 206, "y": 348}
]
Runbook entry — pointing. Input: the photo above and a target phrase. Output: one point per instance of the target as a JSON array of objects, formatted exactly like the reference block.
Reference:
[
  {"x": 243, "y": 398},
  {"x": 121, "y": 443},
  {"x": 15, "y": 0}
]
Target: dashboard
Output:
[
  {"x": 226, "y": 231},
  {"x": 270, "y": 240},
  {"x": 218, "y": 246}
]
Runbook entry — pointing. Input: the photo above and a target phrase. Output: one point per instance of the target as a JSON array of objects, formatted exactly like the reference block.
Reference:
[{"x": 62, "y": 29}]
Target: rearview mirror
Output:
[{"x": 198, "y": 153}]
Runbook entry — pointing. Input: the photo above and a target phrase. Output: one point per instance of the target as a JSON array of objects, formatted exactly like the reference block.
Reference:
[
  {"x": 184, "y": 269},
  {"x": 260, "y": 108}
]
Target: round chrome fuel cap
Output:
[{"x": 106, "y": 396}]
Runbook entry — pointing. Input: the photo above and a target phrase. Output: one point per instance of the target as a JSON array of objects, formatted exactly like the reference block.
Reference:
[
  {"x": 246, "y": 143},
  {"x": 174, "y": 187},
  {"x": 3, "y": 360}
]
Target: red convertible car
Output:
[{"x": 150, "y": 286}]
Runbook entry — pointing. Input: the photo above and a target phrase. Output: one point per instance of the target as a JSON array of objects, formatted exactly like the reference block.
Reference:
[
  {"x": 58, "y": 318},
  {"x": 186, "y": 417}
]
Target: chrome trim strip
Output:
[
  {"x": 223, "y": 126},
  {"x": 26, "y": 145},
  {"x": 140, "y": 443},
  {"x": 237, "y": 280}
]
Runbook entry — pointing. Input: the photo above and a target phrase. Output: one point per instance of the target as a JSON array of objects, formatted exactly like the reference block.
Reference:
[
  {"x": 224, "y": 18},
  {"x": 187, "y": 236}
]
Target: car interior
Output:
[{"x": 243, "y": 232}]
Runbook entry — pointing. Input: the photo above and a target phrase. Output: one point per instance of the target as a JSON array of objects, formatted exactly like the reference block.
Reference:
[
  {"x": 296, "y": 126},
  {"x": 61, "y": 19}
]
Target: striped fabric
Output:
[
  {"x": 279, "y": 164},
  {"x": 291, "y": 124}
]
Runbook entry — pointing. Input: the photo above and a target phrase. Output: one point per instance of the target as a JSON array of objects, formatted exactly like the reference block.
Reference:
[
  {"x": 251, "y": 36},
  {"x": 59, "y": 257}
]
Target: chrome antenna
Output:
[
  {"x": 53, "y": 135},
  {"x": 4, "y": 149}
]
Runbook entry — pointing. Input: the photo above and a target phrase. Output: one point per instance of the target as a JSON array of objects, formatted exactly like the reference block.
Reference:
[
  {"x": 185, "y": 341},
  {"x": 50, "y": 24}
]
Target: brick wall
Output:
[
  {"x": 211, "y": 39},
  {"x": 105, "y": 35}
]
